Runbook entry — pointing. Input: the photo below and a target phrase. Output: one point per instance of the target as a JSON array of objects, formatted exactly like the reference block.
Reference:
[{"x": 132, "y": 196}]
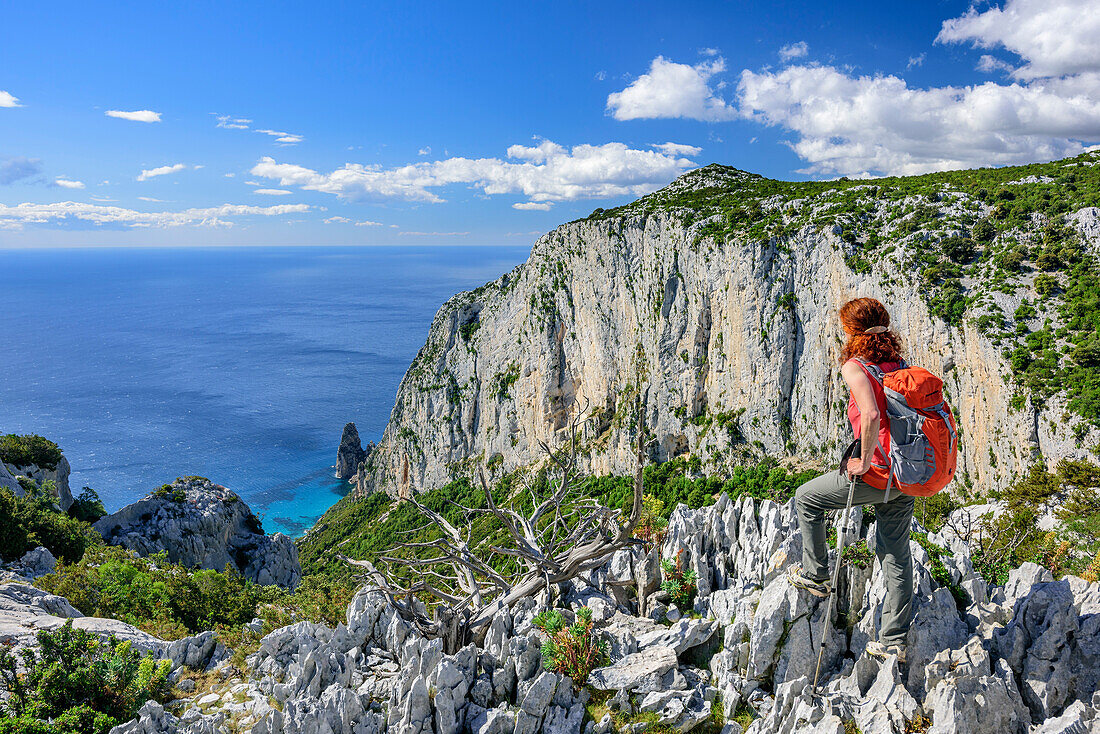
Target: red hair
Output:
[{"x": 861, "y": 314}]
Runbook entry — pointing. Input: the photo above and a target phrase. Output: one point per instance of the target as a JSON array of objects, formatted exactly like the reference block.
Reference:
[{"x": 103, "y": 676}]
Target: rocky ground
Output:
[{"x": 1024, "y": 657}]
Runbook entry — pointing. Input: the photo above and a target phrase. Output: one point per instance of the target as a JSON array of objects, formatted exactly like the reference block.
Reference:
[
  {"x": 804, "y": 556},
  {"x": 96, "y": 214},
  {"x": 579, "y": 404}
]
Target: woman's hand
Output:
[{"x": 856, "y": 468}]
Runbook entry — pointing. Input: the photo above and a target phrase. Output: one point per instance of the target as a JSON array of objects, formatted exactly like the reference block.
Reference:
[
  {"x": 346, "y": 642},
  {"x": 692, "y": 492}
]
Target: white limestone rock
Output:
[{"x": 199, "y": 523}]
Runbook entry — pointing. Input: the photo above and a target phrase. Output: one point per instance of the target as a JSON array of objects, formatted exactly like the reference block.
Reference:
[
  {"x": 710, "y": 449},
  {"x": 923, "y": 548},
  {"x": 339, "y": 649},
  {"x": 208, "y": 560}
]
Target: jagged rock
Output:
[
  {"x": 966, "y": 697},
  {"x": 1040, "y": 644},
  {"x": 199, "y": 523},
  {"x": 1021, "y": 580},
  {"x": 1078, "y": 718},
  {"x": 684, "y": 634},
  {"x": 936, "y": 627},
  {"x": 785, "y": 633},
  {"x": 58, "y": 475},
  {"x": 193, "y": 652},
  {"x": 350, "y": 454},
  {"x": 153, "y": 719},
  {"x": 631, "y": 671},
  {"x": 35, "y": 562}
]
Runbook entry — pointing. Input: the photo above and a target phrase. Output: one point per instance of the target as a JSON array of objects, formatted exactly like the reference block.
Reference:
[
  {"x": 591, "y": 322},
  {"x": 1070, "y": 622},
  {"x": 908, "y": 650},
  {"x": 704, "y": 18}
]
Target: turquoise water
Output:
[{"x": 238, "y": 364}]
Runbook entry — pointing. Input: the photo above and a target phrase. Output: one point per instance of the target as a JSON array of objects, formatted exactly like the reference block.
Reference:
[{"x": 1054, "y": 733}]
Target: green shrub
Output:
[
  {"x": 155, "y": 594},
  {"x": 679, "y": 583},
  {"x": 87, "y": 507},
  {"x": 33, "y": 520},
  {"x": 571, "y": 650},
  {"x": 170, "y": 492},
  {"x": 76, "y": 683},
  {"x": 29, "y": 450}
]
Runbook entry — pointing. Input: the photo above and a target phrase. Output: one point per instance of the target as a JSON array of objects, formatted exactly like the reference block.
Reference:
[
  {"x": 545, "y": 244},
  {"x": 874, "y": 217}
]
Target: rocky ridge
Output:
[
  {"x": 1024, "y": 657},
  {"x": 59, "y": 475},
  {"x": 734, "y": 336},
  {"x": 202, "y": 524}
]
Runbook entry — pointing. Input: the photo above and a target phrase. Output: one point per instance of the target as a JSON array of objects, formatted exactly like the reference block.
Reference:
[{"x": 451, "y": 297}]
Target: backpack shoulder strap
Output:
[{"x": 872, "y": 370}]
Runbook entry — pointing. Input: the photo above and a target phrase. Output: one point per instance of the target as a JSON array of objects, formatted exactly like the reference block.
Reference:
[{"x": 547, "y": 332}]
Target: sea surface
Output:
[{"x": 237, "y": 364}]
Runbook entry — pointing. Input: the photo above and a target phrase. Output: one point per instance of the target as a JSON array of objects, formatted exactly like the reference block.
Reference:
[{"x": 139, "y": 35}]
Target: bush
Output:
[
  {"x": 679, "y": 583},
  {"x": 171, "y": 493},
  {"x": 157, "y": 595},
  {"x": 29, "y": 450},
  {"x": 87, "y": 507},
  {"x": 652, "y": 525},
  {"x": 570, "y": 650},
  {"x": 1014, "y": 537},
  {"x": 76, "y": 683},
  {"x": 33, "y": 520}
]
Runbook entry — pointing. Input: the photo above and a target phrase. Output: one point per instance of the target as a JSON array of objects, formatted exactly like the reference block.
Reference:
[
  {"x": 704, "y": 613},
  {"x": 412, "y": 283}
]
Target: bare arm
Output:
[{"x": 860, "y": 385}]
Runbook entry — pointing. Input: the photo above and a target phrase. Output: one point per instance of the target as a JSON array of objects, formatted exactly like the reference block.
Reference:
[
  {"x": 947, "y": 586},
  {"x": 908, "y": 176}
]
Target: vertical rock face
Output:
[
  {"x": 58, "y": 475},
  {"x": 350, "y": 454},
  {"x": 203, "y": 524},
  {"x": 735, "y": 338}
]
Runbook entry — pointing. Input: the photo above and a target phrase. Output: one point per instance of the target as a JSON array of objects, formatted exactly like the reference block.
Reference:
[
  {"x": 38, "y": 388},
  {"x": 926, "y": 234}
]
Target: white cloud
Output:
[
  {"x": 15, "y": 217},
  {"x": 669, "y": 89},
  {"x": 272, "y": 192},
  {"x": 849, "y": 125},
  {"x": 989, "y": 63},
  {"x": 917, "y": 60},
  {"x": 232, "y": 123},
  {"x": 135, "y": 115},
  {"x": 150, "y": 198},
  {"x": 433, "y": 234},
  {"x": 160, "y": 171},
  {"x": 677, "y": 149},
  {"x": 601, "y": 75},
  {"x": 532, "y": 206},
  {"x": 793, "y": 51},
  {"x": 7, "y": 100},
  {"x": 545, "y": 172},
  {"x": 345, "y": 220},
  {"x": 67, "y": 183},
  {"x": 426, "y": 150},
  {"x": 1053, "y": 37},
  {"x": 283, "y": 138},
  {"x": 708, "y": 52}
]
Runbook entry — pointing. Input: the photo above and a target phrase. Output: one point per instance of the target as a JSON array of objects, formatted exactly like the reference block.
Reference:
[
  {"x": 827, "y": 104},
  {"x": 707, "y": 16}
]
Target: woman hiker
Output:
[{"x": 867, "y": 325}]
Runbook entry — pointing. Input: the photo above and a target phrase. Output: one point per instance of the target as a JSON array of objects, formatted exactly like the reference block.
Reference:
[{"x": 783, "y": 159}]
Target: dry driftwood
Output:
[{"x": 566, "y": 535}]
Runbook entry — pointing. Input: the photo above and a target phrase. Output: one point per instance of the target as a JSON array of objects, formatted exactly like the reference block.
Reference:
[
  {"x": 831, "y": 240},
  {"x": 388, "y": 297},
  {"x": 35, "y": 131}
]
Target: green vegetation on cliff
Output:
[
  {"x": 975, "y": 240},
  {"x": 363, "y": 528},
  {"x": 29, "y": 450},
  {"x": 171, "y": 601},
  {"x": 33, "y": 520}
]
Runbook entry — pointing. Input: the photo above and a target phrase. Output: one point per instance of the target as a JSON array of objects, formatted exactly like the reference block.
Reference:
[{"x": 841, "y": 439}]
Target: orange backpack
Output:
[{"x": 923, "y": 445}]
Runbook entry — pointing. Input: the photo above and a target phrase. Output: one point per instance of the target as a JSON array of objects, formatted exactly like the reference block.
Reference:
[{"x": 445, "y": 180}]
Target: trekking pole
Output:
[{"x": 841, "y": 530}]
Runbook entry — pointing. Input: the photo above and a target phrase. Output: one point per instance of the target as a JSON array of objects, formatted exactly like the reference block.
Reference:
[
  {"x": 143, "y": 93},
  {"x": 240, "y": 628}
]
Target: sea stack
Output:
[{"x": 350, "y": 454}]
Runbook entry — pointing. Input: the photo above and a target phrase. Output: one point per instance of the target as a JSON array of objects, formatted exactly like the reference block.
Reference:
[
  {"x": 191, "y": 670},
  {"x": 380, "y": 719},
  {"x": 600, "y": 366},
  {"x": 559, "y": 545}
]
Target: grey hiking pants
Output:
[{"x": 893, "y": 519}]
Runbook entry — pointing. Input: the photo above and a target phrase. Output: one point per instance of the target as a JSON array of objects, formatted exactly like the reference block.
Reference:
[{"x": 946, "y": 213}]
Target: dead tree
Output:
[{"x": 565, "y": 535}]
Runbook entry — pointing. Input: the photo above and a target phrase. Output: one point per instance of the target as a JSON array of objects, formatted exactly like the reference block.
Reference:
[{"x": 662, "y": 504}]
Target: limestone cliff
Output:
[
  {"x": 719, "y": 294},
  {"x": 202, "y": 524}
]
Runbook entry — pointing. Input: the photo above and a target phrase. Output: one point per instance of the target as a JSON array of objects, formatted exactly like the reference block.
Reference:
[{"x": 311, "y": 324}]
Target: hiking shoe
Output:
[
  {"x": 882, "y": 651},
  {"x": 799, "y": 581}
]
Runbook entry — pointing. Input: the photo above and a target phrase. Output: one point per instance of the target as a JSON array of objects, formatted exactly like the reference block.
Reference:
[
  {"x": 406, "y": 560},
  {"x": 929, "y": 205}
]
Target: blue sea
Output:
[{"x": 237, "y": 364}]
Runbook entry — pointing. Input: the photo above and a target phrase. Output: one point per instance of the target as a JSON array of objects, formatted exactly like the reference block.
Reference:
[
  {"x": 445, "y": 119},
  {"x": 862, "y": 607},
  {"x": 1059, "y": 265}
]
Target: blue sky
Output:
[{"x": 361, "y": 123}]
